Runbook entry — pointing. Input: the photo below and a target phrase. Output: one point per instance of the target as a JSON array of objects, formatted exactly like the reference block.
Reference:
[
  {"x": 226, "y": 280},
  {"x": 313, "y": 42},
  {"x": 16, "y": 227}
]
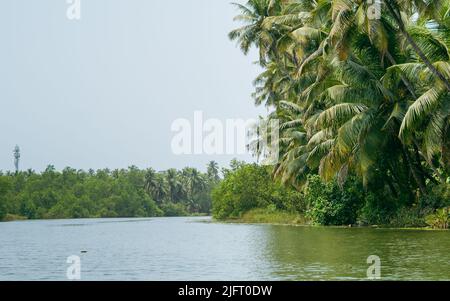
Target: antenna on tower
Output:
[{"x": 16, "y": 158}]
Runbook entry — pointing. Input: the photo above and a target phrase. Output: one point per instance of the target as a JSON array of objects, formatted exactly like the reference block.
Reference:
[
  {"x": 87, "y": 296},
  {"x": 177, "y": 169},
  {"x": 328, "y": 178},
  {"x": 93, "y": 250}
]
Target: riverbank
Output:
[
  {"x": 254, "y": 216},
  {"x": 13, "y": 217},
  {"x": 265, "y": 216}
]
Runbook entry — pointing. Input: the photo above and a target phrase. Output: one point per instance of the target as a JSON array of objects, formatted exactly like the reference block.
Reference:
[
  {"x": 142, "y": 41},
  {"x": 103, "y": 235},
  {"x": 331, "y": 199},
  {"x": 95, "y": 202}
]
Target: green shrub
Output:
[
  {"x": 149, "y": 208},
  {"x": 273, "y": 216},
  {"x": 440, "y": 219},
  {"x": 250, "y": 186},
  {"x": 13, "y": 217},
  {"x": 329, "y": 204},
  {"x": 438, "y": 197},
  {"x": 5, "y": 186},
  {"x": 409, "y": 217},
  {"x": 2, "y": 210},
  {"x": 172, "y": 209},
  {"x": 377, "y": 210}
]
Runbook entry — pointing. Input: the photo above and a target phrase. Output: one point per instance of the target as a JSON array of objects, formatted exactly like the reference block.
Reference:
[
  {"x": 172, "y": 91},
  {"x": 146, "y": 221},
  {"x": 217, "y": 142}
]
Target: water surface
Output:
[{"x": 193, "y": 248}]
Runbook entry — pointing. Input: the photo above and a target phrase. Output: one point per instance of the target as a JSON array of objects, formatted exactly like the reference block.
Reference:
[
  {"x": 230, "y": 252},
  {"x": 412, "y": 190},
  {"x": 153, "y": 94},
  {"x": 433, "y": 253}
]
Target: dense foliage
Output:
[
  {"x": 249, "y": 186},
  {"x": 329, "y": 204},
  {"x": 4, "y": 187},
  {"x": 106, "y": 193},
  {"x": 358, "y": 95},
  {"x": 249, "y": 193}
]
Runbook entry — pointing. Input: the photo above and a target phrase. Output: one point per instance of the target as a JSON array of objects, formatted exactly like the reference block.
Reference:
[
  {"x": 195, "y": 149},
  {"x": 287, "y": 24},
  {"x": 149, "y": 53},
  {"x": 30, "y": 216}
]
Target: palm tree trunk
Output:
[
  {"x": 422, "y": 171},
  {"x": 404, "y": 79},
  {"x": 413, "y": 44},
  {"x": 391, "y": 185},
  {"x": 409, "y": 86},
  {"x": 419, "y": 180},
  {"x": 446, "y": 151},
  {"x": 428, "y": 161}
]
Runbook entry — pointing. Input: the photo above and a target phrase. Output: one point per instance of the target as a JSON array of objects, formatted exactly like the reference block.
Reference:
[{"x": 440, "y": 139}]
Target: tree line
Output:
[{"x": 130, "y": 192}]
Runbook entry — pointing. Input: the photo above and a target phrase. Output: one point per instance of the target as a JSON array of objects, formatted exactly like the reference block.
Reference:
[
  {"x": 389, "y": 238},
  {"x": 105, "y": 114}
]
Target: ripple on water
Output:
[{"x": 197, "y": 249}]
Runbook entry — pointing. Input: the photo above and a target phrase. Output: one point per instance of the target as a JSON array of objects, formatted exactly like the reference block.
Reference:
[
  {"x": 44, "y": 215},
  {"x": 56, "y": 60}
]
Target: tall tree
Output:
[
  {"x": 213, "y": 171},
  {"x": 355, "y": 94}
]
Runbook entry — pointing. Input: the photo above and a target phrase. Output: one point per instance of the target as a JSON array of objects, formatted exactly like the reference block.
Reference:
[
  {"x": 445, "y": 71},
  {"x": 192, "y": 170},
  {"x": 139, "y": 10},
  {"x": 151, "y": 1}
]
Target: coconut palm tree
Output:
[
  {"x": 212, "y": 171},
  {"x": 175, "y": 187},
  {"x": 356, "y": 95},
  {"x": 161, "y": 188},
  {"x": 253, "y": 33},
  {"x": 423, "y": 8},
  {"x": 193, "y": 181},
  {"x": 151, "y": 183}
]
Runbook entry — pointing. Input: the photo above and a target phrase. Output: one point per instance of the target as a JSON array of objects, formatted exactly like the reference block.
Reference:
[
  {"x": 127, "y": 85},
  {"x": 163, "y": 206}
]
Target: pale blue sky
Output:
[{"x": 104, "y": 90}]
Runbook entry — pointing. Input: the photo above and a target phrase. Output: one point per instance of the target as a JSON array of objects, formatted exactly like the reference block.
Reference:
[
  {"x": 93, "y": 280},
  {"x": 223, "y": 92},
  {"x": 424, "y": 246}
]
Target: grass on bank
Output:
[
  {"x": 401, "y": 221},
  {"x": 13, "y": 217},
  {"x": 267, "y": 216}
]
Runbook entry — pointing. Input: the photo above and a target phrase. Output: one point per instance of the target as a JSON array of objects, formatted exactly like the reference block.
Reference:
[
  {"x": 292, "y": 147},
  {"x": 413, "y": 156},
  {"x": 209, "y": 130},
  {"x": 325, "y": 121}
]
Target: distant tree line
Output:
[{"x": 131, "y": 192}]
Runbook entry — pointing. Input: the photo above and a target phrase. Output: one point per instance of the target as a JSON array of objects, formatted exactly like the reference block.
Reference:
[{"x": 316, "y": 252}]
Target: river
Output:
[{"x": 194, "y": 248}]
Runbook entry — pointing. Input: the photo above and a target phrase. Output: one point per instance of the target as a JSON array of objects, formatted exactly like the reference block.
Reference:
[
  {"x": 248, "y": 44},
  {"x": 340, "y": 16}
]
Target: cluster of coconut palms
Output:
[
  {"x": 357, "y": 93},
  {"x": 181, "y": 186}
]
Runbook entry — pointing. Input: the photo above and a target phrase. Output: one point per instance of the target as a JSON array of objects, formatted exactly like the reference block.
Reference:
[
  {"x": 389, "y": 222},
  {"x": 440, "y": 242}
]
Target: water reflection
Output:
[
  {"x": 308, "y": 253},
  {"x": 195, "y": 249}
]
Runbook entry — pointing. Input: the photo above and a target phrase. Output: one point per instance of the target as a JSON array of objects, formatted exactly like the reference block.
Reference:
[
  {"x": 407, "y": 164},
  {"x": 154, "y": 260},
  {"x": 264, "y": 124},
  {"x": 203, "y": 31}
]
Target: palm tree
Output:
[
  {"x": 175, "y": 187},
  {"x": 160, "y": 188},
  {"x": 395, "y": 10},
  {"x": 151, "y": 182},
  {"x": 253, "y": 33},
  {"x": 194, "y": 181},
  {"x": 198, "y": 181},
  {"x": 30, "y": 172},
  {"x": 212, "y": 171},
  {"x": 351, "y": 95}
]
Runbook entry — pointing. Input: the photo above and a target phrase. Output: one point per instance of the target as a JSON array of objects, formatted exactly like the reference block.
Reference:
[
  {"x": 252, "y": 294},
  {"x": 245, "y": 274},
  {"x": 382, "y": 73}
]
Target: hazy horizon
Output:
[{"x": 102, "y": 91}]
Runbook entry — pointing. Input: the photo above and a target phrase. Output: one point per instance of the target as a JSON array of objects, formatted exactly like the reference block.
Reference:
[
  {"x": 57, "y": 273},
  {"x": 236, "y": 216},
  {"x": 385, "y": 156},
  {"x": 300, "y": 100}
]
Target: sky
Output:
[{"x": 104, "y": 90}]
